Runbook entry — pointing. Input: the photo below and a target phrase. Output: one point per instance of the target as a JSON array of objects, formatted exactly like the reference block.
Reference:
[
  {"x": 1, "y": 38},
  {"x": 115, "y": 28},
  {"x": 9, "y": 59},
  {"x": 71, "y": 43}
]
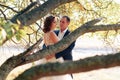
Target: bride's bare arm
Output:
[{"x": 54, "y": 37}]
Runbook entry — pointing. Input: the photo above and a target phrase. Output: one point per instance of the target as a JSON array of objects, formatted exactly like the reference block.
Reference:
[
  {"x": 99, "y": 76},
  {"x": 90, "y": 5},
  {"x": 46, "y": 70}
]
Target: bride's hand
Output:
[{"x": 49, "y": 56}]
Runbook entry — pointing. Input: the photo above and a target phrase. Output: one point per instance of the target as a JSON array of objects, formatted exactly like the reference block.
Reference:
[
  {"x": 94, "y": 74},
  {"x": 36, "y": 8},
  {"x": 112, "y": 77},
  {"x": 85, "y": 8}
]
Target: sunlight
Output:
[
  {"x": 117, "y": 1},
  {"x": 76, "y": 15}
]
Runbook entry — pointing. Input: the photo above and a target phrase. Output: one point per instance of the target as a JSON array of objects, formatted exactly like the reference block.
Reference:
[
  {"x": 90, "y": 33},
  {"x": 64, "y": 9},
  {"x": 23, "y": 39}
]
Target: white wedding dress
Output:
[{"x": 48, "y": 41}]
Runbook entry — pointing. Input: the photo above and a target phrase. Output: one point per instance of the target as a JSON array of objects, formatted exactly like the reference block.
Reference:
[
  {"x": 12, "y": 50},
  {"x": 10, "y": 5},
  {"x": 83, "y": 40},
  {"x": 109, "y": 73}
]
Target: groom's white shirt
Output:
[{"x": 61, "y": 34}]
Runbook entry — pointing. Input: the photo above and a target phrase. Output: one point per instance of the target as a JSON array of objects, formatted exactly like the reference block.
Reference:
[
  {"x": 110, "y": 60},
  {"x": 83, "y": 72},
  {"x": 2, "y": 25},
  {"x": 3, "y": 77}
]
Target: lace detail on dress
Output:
[{"x": 47, "y": 39}]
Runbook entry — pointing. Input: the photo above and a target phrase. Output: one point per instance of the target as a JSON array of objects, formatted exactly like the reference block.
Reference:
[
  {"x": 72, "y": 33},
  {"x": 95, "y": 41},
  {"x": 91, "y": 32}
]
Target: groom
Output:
[{"x": 67, "y": 53}]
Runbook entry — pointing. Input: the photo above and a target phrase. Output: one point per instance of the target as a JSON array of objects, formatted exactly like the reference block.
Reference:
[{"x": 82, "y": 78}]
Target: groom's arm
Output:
[{"x": 66, "y": 51}]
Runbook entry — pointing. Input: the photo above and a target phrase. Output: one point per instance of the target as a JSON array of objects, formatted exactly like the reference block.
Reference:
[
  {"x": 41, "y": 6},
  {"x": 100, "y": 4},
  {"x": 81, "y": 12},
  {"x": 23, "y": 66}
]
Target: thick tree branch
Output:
[
  {"x": 14, "y": 19},
  {"x": 108, "y": 27},
  {"x": 64, "y": 42},
  {"x": 83, "y": 65},
  {"x": 57, "y": 47},
  {"x": 27, "y": 17},
  {"x": 85, "y": 28},
  {"x": 39, "y": 12},
  {"x": 21, "y": 59},
  {"x": 15, "y": 61}
]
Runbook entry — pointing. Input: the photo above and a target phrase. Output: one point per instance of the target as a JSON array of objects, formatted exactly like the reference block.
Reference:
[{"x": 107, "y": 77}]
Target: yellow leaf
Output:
[
  {"x": 18, "y": 22},
  {"x": 82, "y": 20},
  {"x": 81, "y": 7}
]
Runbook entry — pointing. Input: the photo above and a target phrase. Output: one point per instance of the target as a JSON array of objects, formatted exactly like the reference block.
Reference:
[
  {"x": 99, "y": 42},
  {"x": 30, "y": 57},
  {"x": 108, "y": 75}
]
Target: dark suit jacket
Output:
[{"x": 67, "y": 53}]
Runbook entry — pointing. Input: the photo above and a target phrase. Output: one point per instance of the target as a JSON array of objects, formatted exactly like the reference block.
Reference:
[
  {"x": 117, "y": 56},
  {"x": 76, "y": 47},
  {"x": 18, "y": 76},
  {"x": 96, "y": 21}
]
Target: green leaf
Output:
[
  {"x": 1, "y": 36},
  {"x": 18, "y": 37},
  {"x": 20, "y": 33},
  {"x": 8, "y": 29}
]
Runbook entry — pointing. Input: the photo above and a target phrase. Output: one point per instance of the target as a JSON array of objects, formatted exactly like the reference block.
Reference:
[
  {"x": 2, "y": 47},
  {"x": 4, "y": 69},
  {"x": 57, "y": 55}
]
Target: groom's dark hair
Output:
[{"x": 68, "y": 19}]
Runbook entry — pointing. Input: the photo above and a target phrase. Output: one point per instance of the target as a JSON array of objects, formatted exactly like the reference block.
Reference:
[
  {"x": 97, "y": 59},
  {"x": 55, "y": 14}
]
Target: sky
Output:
[{"x": 117, "y": 1}]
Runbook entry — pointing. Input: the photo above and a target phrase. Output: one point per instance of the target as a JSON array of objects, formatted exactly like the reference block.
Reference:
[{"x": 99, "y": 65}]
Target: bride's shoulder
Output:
[{"x": 49, "y": 33}]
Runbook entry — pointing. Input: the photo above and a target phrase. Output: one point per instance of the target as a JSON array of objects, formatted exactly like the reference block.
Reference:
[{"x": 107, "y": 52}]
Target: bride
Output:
[{"x": 51, "y": 38}]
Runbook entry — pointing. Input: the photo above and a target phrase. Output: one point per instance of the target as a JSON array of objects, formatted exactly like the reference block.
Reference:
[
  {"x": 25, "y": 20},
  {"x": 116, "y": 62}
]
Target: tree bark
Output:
[
  {"x": 8, "y": 66},
  {"x": 37, "y": 13},
  {"x": 85, "y": 28},
  {"x": 29, "y": 16},
  {"x": 68, "y": 67},
  {"x": 17, "y": 60}
]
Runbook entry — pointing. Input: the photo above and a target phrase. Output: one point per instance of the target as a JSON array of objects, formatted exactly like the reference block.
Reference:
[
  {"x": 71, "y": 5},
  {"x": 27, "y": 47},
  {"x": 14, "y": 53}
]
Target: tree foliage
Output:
[{"x": 80, "y": 12}]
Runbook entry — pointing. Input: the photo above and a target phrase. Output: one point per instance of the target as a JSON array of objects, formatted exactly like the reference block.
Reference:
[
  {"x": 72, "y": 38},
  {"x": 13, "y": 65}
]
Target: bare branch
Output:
[
  {"x": 29, "y": 51},
  {"x": 39, "y": 26},
  {"x": 8, "y": 8},
  {"x": 3, "y": 14},
  {"x": 101, "y": 3},
  {"x": 14, "y": 41},
  {"x": 88, "y": 10}
]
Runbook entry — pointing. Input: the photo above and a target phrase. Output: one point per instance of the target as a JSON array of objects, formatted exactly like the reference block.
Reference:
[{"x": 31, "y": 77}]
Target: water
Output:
[
  {"x": 8, "y": 51},
  {"x": 80, "y": 53}
]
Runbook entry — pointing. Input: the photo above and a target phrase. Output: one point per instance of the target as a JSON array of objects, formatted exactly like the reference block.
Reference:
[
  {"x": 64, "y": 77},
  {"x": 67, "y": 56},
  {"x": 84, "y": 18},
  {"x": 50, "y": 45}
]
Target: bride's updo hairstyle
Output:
[{"x": 47, "y": 23}]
